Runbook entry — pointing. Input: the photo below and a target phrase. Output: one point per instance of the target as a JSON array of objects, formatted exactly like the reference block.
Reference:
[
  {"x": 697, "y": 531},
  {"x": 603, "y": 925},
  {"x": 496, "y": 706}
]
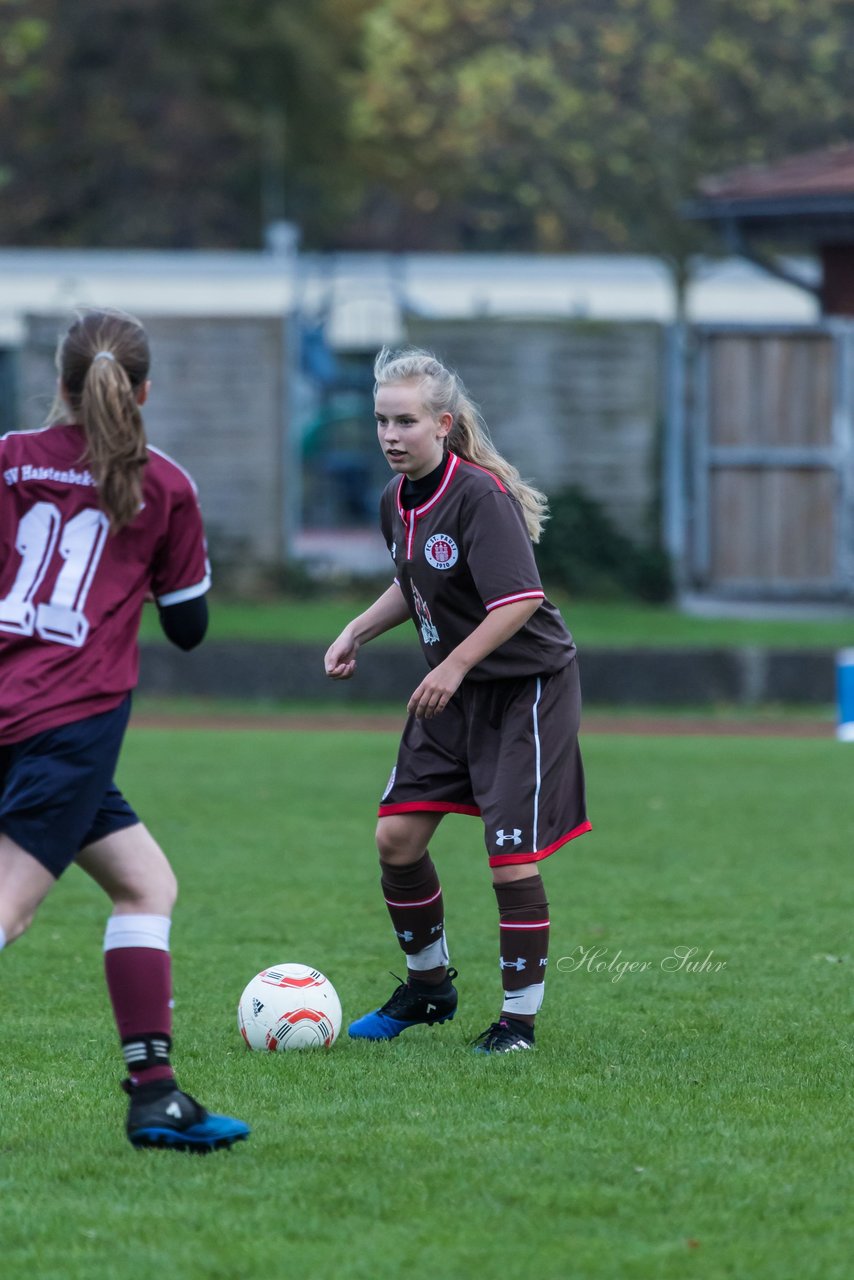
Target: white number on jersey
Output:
[{"x": 81, "y": 543}]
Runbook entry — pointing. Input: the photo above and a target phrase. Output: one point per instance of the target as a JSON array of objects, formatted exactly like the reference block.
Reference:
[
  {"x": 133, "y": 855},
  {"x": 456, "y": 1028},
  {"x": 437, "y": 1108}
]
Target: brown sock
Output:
[
  {"x": 413, "y": 896},
  {"x": 523, "y": 912}
]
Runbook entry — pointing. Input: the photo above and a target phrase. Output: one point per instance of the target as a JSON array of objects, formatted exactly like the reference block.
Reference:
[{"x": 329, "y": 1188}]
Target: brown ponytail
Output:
[{"x": 103, "y": 360}]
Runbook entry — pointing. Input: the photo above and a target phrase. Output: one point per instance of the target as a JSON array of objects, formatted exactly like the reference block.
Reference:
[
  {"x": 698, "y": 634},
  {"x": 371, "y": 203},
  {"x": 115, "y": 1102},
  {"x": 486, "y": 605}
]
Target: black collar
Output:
[{"x": 414, "y": 493}]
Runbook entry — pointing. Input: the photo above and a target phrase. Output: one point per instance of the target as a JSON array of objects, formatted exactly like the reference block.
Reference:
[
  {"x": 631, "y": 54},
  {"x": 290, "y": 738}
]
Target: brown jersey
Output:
[{"x": 464, "y": 552}]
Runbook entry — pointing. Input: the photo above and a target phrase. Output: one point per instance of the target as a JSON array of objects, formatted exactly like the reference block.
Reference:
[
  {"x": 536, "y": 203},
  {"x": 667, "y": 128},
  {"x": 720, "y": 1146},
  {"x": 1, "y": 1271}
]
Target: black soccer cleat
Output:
[
  {"x": 411, "y": 1004},
  {"x": 505, "y": 1036},
  {"x": 161, "y": 1115}
]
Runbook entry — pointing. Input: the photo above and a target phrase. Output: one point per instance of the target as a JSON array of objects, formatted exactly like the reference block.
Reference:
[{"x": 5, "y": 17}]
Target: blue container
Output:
[{"x": 845, "y": 694}]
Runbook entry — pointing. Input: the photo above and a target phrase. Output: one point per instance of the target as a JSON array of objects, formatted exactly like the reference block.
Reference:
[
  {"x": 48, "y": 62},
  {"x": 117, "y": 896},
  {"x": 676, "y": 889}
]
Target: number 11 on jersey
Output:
[{"x": 80, "y": 544}]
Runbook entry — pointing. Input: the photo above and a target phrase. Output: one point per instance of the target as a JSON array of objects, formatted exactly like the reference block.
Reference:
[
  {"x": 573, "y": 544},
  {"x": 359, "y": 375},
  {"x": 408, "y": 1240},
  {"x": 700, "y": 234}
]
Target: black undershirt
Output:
[
  {"x": 416, "y": 492},
  {"x": 185, "y": 624}
]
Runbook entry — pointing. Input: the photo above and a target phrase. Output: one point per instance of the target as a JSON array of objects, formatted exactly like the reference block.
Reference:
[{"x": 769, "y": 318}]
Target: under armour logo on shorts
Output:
[{"x": 503, "y": 837}]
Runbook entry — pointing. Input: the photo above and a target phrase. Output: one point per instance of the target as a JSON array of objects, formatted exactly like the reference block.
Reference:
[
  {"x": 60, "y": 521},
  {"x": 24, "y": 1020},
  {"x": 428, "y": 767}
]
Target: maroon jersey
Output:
[
  {"x": 464, "y": 552},
  {"x": 71, "y": 594}
]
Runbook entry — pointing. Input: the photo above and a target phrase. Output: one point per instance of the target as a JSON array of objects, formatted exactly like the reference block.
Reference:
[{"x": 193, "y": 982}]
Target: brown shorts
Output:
[{"x": 506, "y": 750}]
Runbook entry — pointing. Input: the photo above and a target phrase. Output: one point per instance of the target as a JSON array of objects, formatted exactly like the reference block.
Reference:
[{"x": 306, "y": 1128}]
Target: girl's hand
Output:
[
  {"x": 390, "y": 610},
  {"x": 340, "y": 660},
  {"x": 435, "y": 691}
]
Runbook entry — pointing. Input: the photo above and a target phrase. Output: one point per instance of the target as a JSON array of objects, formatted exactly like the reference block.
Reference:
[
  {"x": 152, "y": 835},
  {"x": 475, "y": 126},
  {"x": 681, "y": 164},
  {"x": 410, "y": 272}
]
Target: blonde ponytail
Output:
[{"x": 469, "y": 437}]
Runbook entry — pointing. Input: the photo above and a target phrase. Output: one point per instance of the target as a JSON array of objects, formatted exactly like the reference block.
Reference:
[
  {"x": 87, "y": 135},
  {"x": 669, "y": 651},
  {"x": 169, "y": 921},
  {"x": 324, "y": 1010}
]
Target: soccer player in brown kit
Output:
[
  {"x": 492, "y": 729},
  {"x": 92, "y": 521}
]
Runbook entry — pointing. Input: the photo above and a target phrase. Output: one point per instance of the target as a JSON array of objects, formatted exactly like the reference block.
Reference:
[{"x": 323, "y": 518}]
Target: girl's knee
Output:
[
  {"x": 14, "y": 924},
  {"x": 150, "y": 895},
  {"x": 397, "y": 842}
]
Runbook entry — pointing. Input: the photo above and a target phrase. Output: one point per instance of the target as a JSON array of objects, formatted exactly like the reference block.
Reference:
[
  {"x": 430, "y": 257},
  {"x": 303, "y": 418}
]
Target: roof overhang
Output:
[{"x": 821, "y": 219}]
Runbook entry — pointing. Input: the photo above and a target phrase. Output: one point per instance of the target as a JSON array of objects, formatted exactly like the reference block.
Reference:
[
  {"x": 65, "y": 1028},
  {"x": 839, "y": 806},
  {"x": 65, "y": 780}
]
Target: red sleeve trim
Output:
[
  {"x": 428, "y": 806},
  {"x": 538, "y": 594},
  {"x": 513, "y": 859}
]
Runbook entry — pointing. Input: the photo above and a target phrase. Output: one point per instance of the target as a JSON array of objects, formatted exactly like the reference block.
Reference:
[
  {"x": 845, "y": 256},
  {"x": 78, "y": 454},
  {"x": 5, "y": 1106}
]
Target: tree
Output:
[
  {"x": 175, "y": 124},
  {"x": 21, "y": 38},
  {"x": 537, "y": 124},
  {"x": 503, "y": 124}
]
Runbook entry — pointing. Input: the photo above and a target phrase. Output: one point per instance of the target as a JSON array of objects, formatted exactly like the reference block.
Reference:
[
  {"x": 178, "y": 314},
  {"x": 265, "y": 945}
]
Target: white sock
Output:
[
  {"x": 430, "y": 957},
  {"x": 528, "y": 1000},
  {"x": 2, "y": 938},
  {"x": 137, "y": 931}
]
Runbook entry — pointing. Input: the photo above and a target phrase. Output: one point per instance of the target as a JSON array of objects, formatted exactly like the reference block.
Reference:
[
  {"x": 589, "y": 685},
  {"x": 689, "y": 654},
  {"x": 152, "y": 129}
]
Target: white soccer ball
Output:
[{"x": 289, "y": 1007}]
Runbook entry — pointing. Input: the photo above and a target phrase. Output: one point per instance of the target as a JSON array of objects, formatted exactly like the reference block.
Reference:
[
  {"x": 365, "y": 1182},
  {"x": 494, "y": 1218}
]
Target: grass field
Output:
[
  {"x": 598, "y": 623},
  {"x": 671, "y": 1124}
]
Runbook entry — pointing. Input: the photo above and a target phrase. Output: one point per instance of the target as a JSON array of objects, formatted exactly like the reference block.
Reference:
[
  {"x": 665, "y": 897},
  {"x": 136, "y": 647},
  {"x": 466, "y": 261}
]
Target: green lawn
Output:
[
  {"x": 592, "y": 623},
  {"x": 670, "y": 1125}
]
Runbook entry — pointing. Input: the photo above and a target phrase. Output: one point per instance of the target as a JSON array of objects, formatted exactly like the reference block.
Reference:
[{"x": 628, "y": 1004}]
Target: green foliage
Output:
[
  {"x": 503, "y": 124},
  {"x": 521, "y": 124},
  {"x": 22, "y": 38},
  {"x": 670, "y": 1124},
  {"x": 174, "y": 125},
  {"x": 584, "y": 553}
]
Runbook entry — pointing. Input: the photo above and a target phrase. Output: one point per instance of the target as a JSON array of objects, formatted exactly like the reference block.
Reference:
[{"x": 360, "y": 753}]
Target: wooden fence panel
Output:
[
  {"x": 772, "y": 390},
  {"x": 773, "y": 525},
  {"x": 771, "y": 463}
]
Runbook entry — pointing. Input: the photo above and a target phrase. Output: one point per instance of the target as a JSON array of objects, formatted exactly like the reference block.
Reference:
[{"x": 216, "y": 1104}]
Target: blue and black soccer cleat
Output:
[
  {"x": 411, "y": 1004},
  {"x": 161, "y": 1115}
]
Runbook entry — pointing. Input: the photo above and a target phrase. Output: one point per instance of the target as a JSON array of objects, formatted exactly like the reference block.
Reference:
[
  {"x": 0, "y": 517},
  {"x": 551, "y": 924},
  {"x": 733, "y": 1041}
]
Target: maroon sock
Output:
[{"x": 139, "y": 980}]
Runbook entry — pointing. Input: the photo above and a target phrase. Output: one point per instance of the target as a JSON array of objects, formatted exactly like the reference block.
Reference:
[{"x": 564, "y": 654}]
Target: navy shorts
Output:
[
  {"x": 506, "y": 750},
  {"x": 57, "y": 793}
]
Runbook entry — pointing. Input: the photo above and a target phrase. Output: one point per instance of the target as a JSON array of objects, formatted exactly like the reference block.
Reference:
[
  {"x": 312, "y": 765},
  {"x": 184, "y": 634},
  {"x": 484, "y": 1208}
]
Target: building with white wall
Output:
[{"x": 371, "y": 287}]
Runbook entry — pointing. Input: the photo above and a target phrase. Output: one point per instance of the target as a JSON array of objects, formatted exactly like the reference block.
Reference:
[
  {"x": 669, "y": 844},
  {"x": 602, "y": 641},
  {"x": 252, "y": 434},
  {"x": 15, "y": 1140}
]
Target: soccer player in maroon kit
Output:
[
  {"x": 492, "y": 729},
  {"x": 93, "y": 520}
]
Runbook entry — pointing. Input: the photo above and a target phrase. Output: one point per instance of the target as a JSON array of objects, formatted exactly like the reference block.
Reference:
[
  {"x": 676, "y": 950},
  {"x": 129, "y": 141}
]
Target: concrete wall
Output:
[
  {"x": 217, "y": 406},
  {"x": 653, "y": 677},
  {"x": 569, "y": 402}
]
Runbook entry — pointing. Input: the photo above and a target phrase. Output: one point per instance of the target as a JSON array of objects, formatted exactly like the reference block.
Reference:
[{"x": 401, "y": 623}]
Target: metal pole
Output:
[
  {"x": 283, "y": 244},
  {"x": 673, "y": 452}
]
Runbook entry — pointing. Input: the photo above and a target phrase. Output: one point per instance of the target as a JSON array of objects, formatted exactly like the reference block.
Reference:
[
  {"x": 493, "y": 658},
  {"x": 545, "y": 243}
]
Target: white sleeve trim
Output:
[
  {"x": 518, "y": 595},
  {"x": 186, "y": 593},
  {"x": 176, "y": 465}
]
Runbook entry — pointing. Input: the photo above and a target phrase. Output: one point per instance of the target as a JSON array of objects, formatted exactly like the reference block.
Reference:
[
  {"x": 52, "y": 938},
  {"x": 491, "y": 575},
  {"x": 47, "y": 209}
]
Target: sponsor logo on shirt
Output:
[
  {"x": 27, "y": 473},
  {"x": 441, "y": 551}
]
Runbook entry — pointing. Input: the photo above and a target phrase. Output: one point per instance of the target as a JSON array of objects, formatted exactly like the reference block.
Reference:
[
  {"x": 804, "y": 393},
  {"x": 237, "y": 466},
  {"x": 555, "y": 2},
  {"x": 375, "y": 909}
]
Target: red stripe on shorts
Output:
[
  {"x": 430, "y": 806},
  {"x": 511, "y": 859}
]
